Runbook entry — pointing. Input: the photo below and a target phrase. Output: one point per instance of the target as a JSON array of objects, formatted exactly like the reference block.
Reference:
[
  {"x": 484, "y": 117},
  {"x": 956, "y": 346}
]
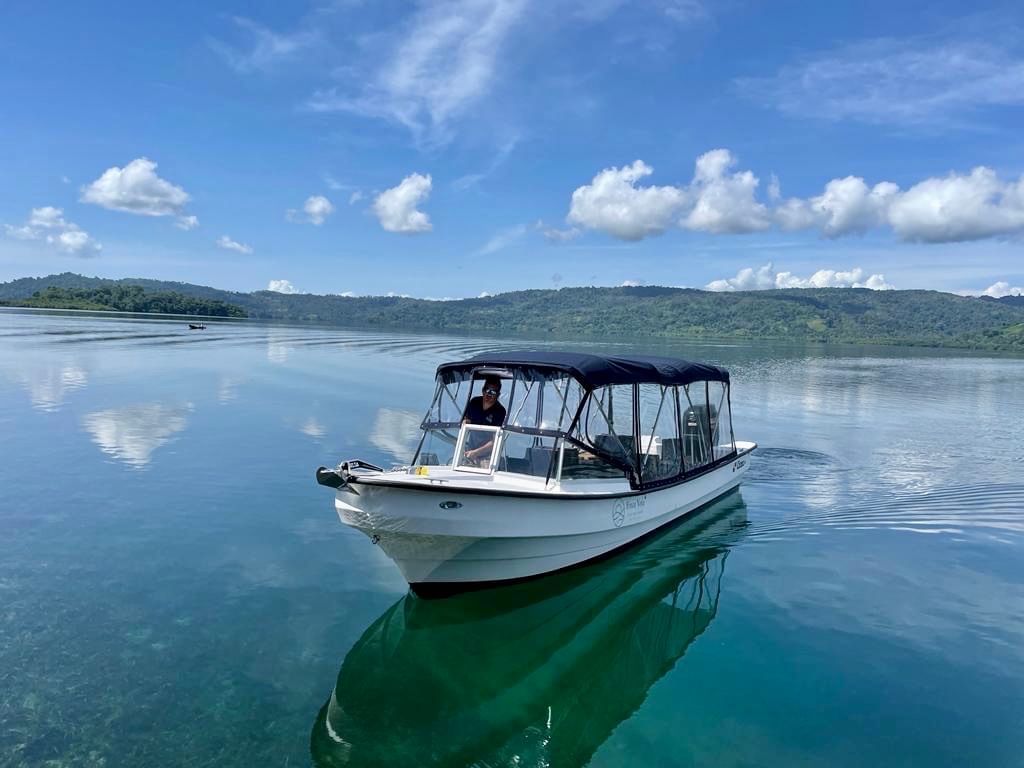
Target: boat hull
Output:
[{"x": 449, "y": 539}]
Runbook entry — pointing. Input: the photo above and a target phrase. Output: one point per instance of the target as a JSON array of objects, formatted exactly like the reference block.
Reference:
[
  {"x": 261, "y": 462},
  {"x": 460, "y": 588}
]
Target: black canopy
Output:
[{"x": 591, "y": 370}]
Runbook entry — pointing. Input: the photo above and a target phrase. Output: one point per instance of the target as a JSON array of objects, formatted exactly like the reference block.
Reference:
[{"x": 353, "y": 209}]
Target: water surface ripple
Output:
[{"x": 175, "y": 589}]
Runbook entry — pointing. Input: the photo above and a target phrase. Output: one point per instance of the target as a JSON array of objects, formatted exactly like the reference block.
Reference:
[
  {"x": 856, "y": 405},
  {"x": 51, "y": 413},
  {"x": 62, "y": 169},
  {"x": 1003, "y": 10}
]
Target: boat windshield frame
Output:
[
  {"x": 460, "y": 462},
  {"x": 454, "y": 390}
]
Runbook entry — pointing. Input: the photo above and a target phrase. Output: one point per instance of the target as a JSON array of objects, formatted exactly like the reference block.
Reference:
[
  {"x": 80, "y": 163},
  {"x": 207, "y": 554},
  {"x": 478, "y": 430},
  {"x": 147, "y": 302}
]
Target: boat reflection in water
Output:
[{"x": 538, "y": 673}]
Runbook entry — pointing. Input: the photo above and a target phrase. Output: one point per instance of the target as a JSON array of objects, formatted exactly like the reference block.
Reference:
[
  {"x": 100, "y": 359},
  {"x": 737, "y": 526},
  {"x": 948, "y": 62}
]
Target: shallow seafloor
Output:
[{"x": 175, "y": 589}]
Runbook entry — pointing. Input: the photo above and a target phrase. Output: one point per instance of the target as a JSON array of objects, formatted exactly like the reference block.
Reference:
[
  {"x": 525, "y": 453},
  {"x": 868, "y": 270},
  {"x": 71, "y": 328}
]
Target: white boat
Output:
[{"x": 594, "y": 453}]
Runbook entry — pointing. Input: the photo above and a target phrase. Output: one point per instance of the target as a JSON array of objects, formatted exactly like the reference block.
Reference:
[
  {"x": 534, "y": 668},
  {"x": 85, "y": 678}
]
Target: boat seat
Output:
[
  {"x": 671, "y": 455},
  {"x": 695, "y": 434},
  {"x": 539, "y": 460},
  {"x": 623, "y": 446},
  {"x": 512, "y": 464},
  {"x": 667, "y": 465}
]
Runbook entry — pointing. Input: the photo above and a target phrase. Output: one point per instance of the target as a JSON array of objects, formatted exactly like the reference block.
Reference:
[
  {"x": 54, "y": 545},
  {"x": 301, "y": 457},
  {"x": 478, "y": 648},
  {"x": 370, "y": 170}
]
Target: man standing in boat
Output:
[{"x": 484, "y": 410}]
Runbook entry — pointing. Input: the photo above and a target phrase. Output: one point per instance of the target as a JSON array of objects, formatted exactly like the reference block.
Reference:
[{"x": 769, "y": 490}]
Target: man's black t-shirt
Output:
[{"x": 492, "y": 417}]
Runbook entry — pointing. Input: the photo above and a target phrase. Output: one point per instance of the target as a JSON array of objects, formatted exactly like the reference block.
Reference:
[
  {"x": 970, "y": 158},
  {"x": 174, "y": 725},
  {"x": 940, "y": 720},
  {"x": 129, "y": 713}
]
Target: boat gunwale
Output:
[{"x": 413, "y": 485}]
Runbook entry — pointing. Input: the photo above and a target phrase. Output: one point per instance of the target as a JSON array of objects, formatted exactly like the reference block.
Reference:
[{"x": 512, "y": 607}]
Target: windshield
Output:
[{"x": 545, "y": 423}]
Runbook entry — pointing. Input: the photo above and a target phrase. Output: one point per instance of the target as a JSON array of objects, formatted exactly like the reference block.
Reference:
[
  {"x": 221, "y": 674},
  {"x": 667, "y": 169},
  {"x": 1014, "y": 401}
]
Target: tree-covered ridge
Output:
[
  {"x": 847, "y": 315},
  {"x": 128, "y": 298}
]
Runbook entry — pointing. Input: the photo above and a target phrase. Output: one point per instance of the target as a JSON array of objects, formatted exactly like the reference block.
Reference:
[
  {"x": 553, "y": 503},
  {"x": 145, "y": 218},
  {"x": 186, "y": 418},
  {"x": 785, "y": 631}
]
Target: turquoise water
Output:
[{"x": 175, "y": 589}]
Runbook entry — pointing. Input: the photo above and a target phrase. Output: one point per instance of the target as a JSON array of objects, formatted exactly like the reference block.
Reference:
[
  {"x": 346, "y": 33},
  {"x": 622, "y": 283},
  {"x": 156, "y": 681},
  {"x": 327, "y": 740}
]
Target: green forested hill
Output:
[
  {"x": 826, "y": 314},
  {"x": 127, "y": 298}
]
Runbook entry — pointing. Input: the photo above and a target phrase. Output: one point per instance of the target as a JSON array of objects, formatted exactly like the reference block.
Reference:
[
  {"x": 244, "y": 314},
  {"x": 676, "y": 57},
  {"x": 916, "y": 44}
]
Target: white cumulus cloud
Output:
[
  {"x": 847, "y": 206},
  {"x": 1002, "y": 288},
  {"x": 281, "y": 286},
  {"x": 74, "y": 241},
  {"x": 316, "y": 209},
  {"x": 47, "y": 217},
  {"x": 715, "y": 201},
  {"x": 747, "y": 279},
  {"x": 136, "y": 189},
  {"x": 613, "y": 203},
  {"x": 723, "y": 202},
  {"x": 959, "y": 207},
  {"x": 48, "y": 224},
  {"x": 766, "y": 278},
  {"x": 396, "y": 207},
  {"x": 954, "y": 208},
  {"x": 228, "y": 244},
  {"x": 187, "y": 222}
]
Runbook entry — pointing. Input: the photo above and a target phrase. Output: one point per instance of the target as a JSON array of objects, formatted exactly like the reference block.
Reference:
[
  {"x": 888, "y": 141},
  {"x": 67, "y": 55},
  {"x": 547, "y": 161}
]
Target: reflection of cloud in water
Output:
[
  {"x": 132, "y": 433},
  {"x": 396, "y": 432},
  {"x": 47, "y": 387},
  {"x": 227, "y": 389},
  {"x": 313, "y": 428},
  {"x": 277, "y": 348}
]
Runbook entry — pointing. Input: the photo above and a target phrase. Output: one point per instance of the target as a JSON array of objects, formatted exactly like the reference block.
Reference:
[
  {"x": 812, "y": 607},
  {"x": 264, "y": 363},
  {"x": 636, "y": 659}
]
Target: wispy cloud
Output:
[
  {"x": 501, "y": 240},
  {"x": 228, "y": 244},
  {"x": 261, "y": 48},
  {"x": 445, "y": 60},
  {"x": 472, "y": 179},
  {"x": 556, "y": 235},
  {"x": 684, "y": 11},
  {"x": 917, "y": 82}
]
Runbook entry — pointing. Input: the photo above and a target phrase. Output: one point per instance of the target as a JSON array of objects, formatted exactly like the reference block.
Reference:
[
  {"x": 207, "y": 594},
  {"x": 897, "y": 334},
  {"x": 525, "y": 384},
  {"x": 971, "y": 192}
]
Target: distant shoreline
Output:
[
  {"x": 651, "y": 313},
  {"x": 528, "y": 338}
]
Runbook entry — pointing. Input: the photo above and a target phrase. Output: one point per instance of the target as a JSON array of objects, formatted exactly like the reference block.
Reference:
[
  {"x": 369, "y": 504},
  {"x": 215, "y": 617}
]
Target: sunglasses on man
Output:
[{"x": 492, "y": 391}]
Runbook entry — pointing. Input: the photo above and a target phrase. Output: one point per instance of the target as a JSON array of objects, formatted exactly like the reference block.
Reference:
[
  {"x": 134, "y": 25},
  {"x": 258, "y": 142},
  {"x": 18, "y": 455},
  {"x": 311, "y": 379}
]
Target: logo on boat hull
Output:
[
  {"x": 618, "y": 513},
  {"x": 629, "y": 510},
  {"x": 738, "y": 465}
]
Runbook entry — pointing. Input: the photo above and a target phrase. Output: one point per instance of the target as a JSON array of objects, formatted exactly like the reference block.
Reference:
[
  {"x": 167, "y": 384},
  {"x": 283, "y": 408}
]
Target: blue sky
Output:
[{"x": 447, "y": 149}]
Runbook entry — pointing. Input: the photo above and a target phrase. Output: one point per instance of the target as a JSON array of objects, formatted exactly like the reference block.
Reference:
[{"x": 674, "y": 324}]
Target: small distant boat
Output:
[
  {"x": 197, "y": 326},
  {"x": 594, "y": 453}
]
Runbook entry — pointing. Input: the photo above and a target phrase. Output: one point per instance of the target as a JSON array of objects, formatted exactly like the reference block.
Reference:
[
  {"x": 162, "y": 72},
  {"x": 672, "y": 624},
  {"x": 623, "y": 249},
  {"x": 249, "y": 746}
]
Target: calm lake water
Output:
[{"x": 175, "y": 589}]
